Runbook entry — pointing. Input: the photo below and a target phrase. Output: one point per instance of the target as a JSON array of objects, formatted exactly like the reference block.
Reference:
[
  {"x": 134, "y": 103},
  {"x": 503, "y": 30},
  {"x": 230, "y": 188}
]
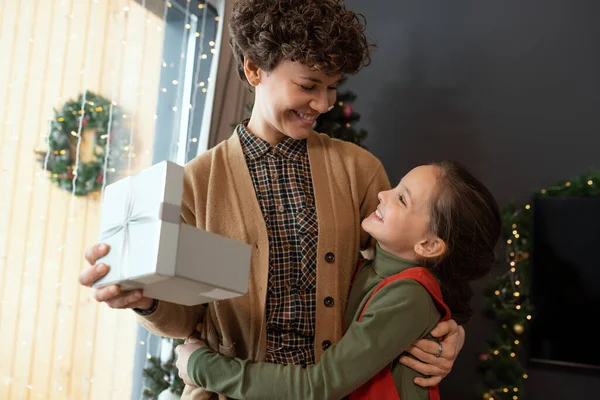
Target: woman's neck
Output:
[{"x": 259, "y": 127}]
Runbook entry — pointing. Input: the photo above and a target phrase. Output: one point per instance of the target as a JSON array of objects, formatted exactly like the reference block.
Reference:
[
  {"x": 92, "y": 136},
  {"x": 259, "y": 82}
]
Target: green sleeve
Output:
[{"x": 399, "y": 314}]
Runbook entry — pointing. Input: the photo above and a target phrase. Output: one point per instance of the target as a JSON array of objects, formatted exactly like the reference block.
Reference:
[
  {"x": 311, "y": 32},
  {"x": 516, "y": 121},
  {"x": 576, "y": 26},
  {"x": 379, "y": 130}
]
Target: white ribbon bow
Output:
[{"x": 167, "y": 212}]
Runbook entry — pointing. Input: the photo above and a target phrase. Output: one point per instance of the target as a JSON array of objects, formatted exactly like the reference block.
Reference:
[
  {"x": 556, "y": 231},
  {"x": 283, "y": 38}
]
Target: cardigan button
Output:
[
  {"x": 326, "y": 344},
  {"x": 330, "y": 257},
  {"x": 329, "y": 302}
]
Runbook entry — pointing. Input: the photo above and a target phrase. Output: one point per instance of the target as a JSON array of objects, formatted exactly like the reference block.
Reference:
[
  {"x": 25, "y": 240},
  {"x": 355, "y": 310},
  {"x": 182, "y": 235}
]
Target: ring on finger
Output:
[{"x": 440, "y": 350}]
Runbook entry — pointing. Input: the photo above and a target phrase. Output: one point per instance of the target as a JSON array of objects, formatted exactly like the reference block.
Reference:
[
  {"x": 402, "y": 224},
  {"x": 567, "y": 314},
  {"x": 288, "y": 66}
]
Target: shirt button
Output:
[
  {"x": 330, "y": 257},
  {"x": 288, "y": 326},
  {"x": 329, "y": 302},
  {"x": 275, "y": 176},
  {"x": 281, "y": 209},
  {"x": 326, "y": 344}
]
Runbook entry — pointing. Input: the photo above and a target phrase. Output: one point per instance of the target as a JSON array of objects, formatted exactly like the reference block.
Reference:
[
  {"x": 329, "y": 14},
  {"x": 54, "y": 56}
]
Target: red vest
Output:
[{"x": 381, "y": 386}]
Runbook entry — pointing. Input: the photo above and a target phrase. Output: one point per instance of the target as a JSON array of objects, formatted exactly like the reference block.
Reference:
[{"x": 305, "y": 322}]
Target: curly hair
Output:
[{"x": 320, "y": 34}]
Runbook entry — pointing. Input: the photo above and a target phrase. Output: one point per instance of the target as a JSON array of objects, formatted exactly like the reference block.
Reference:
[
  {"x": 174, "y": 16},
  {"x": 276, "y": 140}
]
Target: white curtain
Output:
[{"x": 228, "y": 96}]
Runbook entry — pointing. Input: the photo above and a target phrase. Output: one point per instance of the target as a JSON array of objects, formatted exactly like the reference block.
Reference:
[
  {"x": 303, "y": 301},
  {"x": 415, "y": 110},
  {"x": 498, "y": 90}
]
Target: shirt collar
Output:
[{"x": 255, "y": 147}]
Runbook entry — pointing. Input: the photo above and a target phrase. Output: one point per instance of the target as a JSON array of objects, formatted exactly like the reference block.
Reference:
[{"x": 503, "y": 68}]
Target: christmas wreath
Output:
[{"x": 100, "y": 121}]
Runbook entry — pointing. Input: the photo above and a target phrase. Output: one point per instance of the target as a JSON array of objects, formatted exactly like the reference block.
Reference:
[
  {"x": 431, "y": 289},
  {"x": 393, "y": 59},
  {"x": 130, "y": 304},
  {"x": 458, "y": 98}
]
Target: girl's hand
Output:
[
  {"x": 428, "y": 360},
  {"x": 184, "y": 351}
]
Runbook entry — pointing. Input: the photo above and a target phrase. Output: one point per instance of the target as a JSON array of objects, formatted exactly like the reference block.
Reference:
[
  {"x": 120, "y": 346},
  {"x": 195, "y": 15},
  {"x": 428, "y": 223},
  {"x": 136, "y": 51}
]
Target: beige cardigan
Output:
[{"x": 219, "y": 197}]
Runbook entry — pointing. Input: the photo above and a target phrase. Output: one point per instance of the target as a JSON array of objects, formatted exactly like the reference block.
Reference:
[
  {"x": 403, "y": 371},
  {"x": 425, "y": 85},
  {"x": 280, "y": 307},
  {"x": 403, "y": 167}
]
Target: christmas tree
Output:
[
  {"x": 162, "y": 379},
  {"x": 508, "y": 298},
  {"x": 339, "y": 121}
]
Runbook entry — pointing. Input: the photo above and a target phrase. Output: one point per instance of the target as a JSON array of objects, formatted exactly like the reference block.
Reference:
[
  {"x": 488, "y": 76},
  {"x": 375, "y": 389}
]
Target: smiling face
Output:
[
  {"x": 402, "y": 219},
  {"x": 288, "y": 100}
]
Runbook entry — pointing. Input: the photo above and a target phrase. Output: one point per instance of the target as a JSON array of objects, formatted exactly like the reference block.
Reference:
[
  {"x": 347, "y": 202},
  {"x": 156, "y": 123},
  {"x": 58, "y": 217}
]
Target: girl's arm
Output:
[{"x": 400, "y": 313}]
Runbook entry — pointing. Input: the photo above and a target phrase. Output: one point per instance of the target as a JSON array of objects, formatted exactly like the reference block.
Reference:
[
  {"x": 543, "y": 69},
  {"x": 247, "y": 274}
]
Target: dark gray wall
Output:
[{"x": 511, "y": 89}]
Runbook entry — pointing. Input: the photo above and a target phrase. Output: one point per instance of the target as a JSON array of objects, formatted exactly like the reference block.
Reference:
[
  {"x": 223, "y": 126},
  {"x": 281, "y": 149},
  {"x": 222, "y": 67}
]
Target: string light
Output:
[
  {"x": 517, "y": 255},
  {"x": 196, "y": 82},
  {"x": 64, "y": 308},
  {"x": 71, "y": 209},
  {"x": 32, "y": 273}
]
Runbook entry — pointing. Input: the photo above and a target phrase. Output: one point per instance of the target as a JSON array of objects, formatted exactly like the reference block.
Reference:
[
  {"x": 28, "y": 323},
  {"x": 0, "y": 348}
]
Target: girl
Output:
[{"x": 436, "y": 229}]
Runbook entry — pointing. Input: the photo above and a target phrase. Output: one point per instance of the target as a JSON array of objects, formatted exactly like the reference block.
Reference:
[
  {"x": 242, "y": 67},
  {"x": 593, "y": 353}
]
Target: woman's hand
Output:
[
  {"x": 111, "y": 295},
  {"x": 436, "y": 359}
]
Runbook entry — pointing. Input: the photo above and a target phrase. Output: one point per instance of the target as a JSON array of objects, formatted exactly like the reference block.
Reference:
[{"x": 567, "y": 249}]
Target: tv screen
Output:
[{"x": 565, "y": 281}]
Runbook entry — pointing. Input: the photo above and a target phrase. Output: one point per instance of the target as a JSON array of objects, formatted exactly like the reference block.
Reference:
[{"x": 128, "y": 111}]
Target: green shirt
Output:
[{"x": 400, "y": 313}]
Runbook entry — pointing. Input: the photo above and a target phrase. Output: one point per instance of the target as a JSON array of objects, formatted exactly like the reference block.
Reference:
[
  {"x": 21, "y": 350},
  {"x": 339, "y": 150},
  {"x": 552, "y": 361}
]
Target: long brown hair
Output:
[{"x": 465, "y": 215}]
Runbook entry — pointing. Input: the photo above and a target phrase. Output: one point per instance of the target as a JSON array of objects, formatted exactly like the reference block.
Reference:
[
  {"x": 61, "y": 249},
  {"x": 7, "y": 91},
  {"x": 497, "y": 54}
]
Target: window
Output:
[{"x": 188, "y": 50}]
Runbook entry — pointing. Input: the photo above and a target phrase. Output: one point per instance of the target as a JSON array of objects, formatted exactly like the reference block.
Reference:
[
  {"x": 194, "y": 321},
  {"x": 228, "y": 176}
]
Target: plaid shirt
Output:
[{"x": 283, "y": 186}]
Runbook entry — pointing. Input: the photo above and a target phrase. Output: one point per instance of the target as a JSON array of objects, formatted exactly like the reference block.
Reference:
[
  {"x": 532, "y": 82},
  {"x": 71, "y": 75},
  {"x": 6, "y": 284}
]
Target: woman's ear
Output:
[
  {"x": 252, "y": 72},
  {"x": 432, "y": 247}
]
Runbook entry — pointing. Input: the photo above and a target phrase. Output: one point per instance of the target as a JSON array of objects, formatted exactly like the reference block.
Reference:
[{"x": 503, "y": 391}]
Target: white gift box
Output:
[{"x": 151, "y": 249}]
